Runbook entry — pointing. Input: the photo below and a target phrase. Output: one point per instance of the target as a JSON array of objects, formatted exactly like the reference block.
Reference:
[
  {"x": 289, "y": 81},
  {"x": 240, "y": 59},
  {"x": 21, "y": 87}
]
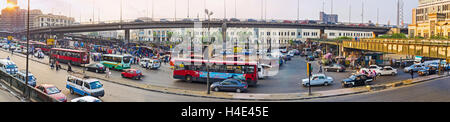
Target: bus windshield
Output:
[
  {"x": 11, "y": 66},
  {"x": 126, "y": 59}
]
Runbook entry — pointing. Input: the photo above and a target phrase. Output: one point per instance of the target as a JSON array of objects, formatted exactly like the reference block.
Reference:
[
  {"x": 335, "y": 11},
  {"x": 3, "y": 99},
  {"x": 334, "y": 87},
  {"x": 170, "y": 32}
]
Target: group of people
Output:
[{"x": 370, "y": 73}]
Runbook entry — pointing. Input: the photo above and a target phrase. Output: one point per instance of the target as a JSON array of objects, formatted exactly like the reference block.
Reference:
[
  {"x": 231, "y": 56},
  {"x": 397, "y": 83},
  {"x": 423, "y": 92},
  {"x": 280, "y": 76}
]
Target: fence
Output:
[{"x": 27, "y": 91}]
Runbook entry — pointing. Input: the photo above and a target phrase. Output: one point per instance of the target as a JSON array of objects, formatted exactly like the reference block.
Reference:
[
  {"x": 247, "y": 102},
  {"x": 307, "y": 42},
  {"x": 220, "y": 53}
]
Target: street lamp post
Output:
[
  {"x": 208, "y": 13},
  {"x": 28, "y": 47}
]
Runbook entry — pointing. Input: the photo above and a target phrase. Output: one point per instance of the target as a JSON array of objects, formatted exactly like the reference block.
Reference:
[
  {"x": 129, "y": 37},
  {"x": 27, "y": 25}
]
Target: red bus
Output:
[
  {"x": 76, "y": 57},
  {"x": 195, "y": 70},
  {"x": 43, "y": 46}
]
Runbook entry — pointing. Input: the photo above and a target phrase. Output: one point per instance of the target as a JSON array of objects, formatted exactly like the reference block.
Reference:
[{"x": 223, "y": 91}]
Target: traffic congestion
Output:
[{"x": 85, "y": 63}]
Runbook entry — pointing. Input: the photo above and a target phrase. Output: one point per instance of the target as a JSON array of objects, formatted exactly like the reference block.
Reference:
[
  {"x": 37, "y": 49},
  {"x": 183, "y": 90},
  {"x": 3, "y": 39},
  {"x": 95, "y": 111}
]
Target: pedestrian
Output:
[
  {"x": 57, "y": 65},
  {"x": 69, "y": 67},
  {"x": 412, "y": 73},
  {"x": 8, "y": 58},
  {"x": 320, "y": 69},
  {"x": 107, "y": 72}
]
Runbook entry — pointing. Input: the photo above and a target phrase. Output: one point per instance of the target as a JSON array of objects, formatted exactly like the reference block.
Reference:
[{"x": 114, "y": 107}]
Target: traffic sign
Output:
[
  {"x": 50, "y": 41},
  {"x": 10, "y": 38}
]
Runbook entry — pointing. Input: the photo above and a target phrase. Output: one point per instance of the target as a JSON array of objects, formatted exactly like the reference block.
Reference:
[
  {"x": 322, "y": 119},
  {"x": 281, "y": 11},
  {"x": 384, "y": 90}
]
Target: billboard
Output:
[{"x": 14, "y": 2}]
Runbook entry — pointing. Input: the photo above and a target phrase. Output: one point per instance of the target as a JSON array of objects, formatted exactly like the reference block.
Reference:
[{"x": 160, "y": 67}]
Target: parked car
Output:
[
  {"x": 18, "y": 50},
  {"x": 86, "y": 99},
  {"x": 230, "y": 85},
  {"x": 21, "y": 75},
  {"x": 318, "y": 79},
  {"x": 414, "y": 68},
  {"x": 85, "y": 86},
  {"x": 334, "y": 68},
  {"x": 296, "y": 52},
  {"x": 430, "y": 70},
  {"x": 96, "y": 67},
  {"x": 52, "y": 91},
  {"x": 291, "y": 53},
  {"x": 132, "y": 73},
  {"x": 356, "y": 80}
]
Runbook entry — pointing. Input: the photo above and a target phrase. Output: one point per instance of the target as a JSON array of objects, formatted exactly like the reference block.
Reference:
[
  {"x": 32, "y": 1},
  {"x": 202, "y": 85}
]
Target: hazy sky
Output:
[{"x": 276, "y": 9}]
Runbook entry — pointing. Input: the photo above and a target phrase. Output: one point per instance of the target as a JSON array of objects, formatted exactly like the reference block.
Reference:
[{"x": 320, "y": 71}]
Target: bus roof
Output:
[
  {"x": 115, "y": 55},
  {"x": 69, "y": 50},
  {"x": 218, "y": 62}
]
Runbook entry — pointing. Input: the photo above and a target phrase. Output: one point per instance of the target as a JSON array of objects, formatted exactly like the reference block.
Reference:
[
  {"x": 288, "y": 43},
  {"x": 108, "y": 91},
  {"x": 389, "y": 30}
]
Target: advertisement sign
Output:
[
  {"x": 10, "y": 38},
  {"x": 50, "y": 41},
  {"x": 216, "y": 75}
]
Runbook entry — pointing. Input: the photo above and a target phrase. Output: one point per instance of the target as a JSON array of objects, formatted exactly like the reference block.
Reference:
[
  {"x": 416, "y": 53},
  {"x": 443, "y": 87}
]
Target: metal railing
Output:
[{"x": 26, "y": 91}]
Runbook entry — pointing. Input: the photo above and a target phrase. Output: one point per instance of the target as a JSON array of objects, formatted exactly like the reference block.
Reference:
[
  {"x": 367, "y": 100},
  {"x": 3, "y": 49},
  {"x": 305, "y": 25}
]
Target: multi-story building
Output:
[
  {"x": 430, "y": 18},
  {"x": 328, "y": 18},
  {"x": 50, "y": 20}
]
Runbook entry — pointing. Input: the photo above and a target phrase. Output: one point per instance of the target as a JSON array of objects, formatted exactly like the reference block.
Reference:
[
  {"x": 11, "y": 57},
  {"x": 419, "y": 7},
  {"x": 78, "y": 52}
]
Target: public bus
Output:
[
  {"x": 76, "y": 57},
  {"x": 195, "y": 70},
  {"x": 43, "y": 46},
  {"x": 116, "y": 62}
]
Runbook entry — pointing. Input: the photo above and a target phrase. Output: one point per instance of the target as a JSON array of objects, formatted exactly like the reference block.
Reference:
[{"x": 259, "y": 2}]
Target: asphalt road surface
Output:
[
  {"x": 113, "y": 92},
  {"x": 429, "y": 91}
]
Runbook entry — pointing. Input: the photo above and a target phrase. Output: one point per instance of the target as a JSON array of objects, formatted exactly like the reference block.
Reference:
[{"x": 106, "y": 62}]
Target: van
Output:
[
  {"x": 21, "y": 75},
  {"x": 85, "y": 86},
  {"x": 8, "y": 66},
  {"x": 152, "y": 63}
]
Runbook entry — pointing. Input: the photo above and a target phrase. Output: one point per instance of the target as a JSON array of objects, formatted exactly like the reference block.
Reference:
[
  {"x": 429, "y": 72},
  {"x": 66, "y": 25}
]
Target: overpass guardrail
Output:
[
  {"x": 417, "y": 47},
  {"x": 26, "y": 91}
]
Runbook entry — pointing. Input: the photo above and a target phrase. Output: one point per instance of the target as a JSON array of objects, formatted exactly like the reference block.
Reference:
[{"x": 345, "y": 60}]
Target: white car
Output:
[
  {"x": 372, "y": 68},
  {"x": 318, "y": 79},
  {"x": 387, "y": 70},
  {"x": 86, "y": 99}
]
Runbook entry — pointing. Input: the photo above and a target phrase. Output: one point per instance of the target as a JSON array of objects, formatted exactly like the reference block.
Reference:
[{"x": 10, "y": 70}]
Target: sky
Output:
[{"x": 276, "y": 9}]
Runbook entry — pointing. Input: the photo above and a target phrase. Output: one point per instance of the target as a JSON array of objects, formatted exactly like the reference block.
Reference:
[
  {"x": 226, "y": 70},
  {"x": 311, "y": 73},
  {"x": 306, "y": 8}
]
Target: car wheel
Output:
[
  {"x": 343, "y": 85},
  {"x": 326, "y": 70},
  {"x": 216, "y": 89},
  {"x": 96, "y": 70},
  {"x": 71, "y": 91},
  {"x": 189, "y": 79},
  {"x": 238, "y": 90},
  {"x": 393, "y": 74},
  {"x": 122, "y": 76},
  {"x": 325, "y": 84}
]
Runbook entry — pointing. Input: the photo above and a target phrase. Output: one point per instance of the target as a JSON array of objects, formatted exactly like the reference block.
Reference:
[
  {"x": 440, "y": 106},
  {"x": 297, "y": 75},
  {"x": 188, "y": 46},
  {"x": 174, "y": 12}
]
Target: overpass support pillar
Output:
[
  {"x": 224, "y": 38},
  {"x": 322, "y": 34},
  {"x": 127, "y": 35},
  {"x": 60, "y": 36}
]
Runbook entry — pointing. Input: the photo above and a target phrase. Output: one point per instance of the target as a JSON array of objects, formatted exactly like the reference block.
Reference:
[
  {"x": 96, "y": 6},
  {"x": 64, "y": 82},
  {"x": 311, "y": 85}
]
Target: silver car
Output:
[{"x": 318, "y": 79}]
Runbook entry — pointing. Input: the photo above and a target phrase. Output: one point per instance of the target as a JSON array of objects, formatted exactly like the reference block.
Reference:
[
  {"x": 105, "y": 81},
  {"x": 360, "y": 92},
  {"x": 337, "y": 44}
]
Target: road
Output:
[
  {"x": 113, "y": 92},
  {"x": 286, "y": 81},
  {"x": 430, "y": 91}
]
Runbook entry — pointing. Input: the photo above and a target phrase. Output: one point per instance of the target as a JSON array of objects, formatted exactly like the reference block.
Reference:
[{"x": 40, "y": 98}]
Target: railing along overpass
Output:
[
  {"x": 417, "y": 47},
  {"x": 191, "y": 24}
]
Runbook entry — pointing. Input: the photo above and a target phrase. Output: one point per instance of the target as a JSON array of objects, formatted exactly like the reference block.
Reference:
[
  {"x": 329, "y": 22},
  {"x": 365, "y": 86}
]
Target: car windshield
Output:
[
  {"x": 126, "y": 59},
  {"x": 31, "y": 78},
  {"x": 353, "y": 77},
  {"x": 53, "y": 90},
  {"x": 138, "y": 71},
  {"x": 11, "y": 66},
  {"x": 95, "y": 85},
  {"x": 100, "y": 65}
]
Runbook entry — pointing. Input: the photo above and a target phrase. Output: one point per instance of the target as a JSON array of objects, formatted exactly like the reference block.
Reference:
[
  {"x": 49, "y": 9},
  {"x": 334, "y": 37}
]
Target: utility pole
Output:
[
  {"x": 188, "y": 9},
  {"x": 362, "y": 13},
  {"x": 28, "y": 47},
  {"x": 265, "y": 11},
  {"x": 120, "y": 11},
  {"x": 298, "y": 10},
  {"x": 175, "y": 6},
  {"x": 323, "y": 6},
  {"x": 93, "y": 11},
  {"x": 224, "y": 9},
  {"x": 153, "y": 9}
]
